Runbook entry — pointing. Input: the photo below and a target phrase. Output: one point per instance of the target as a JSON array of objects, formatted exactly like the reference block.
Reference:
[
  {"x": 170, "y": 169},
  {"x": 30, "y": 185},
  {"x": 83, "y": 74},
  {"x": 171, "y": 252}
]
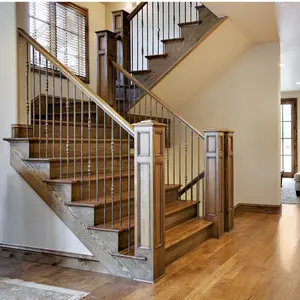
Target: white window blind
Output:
[{"x": 61, "y": 29}]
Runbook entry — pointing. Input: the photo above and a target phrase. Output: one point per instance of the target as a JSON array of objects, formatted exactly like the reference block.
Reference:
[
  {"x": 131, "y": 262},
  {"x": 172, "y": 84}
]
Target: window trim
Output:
[{"x": 84, "y": 11}]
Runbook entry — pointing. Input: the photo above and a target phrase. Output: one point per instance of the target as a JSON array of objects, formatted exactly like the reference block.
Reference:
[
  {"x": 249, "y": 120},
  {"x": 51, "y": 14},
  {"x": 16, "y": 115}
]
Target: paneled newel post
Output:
[
  {"x": 106, "y": 77},
  {"x": 149, "y": 198},
  {"x": 214, "y": 179},
  {"x": 228, "y": 202}
]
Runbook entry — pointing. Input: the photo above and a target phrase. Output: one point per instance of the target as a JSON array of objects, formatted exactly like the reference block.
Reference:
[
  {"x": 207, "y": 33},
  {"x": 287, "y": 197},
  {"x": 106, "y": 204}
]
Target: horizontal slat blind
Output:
[{"x": 62, "y": 31}]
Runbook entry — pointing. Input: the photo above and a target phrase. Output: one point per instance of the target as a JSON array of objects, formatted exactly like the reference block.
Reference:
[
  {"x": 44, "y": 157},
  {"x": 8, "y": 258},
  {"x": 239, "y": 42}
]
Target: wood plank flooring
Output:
[{"x": 260, "y": 259}]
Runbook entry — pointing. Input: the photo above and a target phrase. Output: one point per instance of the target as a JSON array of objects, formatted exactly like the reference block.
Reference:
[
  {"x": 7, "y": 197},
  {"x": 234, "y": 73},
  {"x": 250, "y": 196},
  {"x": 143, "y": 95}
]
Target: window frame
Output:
[{"x": 83, "y": 11}]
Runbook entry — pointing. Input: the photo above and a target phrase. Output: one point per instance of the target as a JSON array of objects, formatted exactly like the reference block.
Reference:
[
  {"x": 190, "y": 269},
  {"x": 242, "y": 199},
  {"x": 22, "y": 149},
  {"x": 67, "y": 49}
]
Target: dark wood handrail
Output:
[
  {"x": 136, "y": 10},
  {"x": 191, "y": 184}
]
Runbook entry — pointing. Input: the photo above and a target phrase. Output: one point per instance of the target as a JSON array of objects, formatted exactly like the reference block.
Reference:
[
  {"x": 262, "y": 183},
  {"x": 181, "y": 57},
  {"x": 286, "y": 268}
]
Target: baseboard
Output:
[
  {"x": 256, "y": 208},
  {"x": 49, "y": 257}
]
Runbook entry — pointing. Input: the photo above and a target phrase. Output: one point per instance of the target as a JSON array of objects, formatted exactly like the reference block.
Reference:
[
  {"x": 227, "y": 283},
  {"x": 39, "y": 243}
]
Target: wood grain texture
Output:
[
  {"x": 259, "y": 260},
  {"x": 257, "y": 208}
]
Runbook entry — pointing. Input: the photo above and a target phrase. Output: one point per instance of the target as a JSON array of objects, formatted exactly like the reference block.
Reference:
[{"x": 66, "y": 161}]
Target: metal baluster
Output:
[
  {"x": 89, "y": 145},
  {"x": 60, "y": 127},
  {"x": 145, "y": 113},
  {"x": 185, "y": 162},
  {"x": 152, "y": 28},
  {"x": 140, "y": 110},
  {"x": 158, "y": 28},
  {"x": 156, "y": 109},
  {"x": 137, "y": 41},
  {"x": 53, "y": 110},
  {"x": 174, "y": 169},
  {"x": 191, "y": 4},
  {"x": 192, "y": 161},
  {"x": 112, "y": 149},
  {"x": 97, "y": 154},
  {"x": 142, "y": 50},
  {"x": 198, "y": 171},
  {"x": 40, "y": 105},
  {"x": 46, "y": 123},
  {"x": 33, "y": 91},
  {"x": 131, "y": 44},
  {"x": 203, "y": 199},
  {"x": 179, "y": 15},
  {"x": 27, "y": 90},
  {"x": 104, "y": 163},
  {"x": 179, "y": 154},
  {"x": 67, "y": 145},
  {"x": 134, "y": 103},
  {"x": 129, "y": 194},
  {"x": 147, "y": 29},
  {"x": 81, "y": 145},
  {"x": 150, "y": 107},
  {"x": 74, "y": 129},
  {"x": 185, "y": 3},
  {"x": 174, "y": 20},
  {"x": 168, "y": 146},
  {"x": 168, "y": 20},
  {"x": 121, "y": 175},
  {"x": 163, "y": 20}
]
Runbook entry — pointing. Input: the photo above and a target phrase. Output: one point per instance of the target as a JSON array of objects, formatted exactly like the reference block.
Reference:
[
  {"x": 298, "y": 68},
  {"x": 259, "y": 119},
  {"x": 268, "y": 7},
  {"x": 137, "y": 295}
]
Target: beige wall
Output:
[
  {"x": 295, "y": 94},
  {"x": 245, "y": 97}
]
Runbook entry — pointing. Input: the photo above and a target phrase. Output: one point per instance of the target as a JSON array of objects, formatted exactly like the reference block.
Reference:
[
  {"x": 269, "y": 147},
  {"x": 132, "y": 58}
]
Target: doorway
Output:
[{"x": 288, "y": 137}]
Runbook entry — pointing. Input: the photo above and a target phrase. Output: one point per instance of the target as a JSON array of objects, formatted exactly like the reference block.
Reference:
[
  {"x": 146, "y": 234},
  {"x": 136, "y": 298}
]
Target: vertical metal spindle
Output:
[
  {"x": 68, "y": 140},
  {"x": 134, "y": 103},
  {"x": 179, "y": 151},
  {"x": 137, "y": 41},
  {"x": 131, "y": 44},
  {"x": 97, "y": 154},
  {"x": 112, "y": 149},
  {"x": 198, "y": 171},
  {"x": 89, "y": 145},
  {"x": 140, "y": 110},
  {"x": 46, "y": 123},
  {"x": 179, "y": 15},
  {"x": 152, "y": 28},
  {"x": 168, "y": 12},
  {"x": 185, "y": 3},
  {"x": 156, "y": 109},
  {"x": 158, "y": 28},
  {"x": 142, "y": 50},
  {"x": 74, "y": 129},
  {"x": 174, "y": 20},
  {"x": 191, "y": 4},
  {"x": 150, "y": 107},
  {"x": 185, "y": 161},
  {"x": 145, "y": 112},
  {"x": 173, "y": 138},
  {"x": 40, "y": 104},
  {"x": 120, "y": 182},
  {"x": 53, "y": 110},
  {"x": 81, "y": 145},
  {"x": 60, "y": 126},
  {"x": 104, "y": 164},
  {"x": 147, "y": 29},
  {"x": 27, "y": 89},
  {"x": 163, "y": 20},
  {"x": 129, "y": 194},
  {"x": 33, "y": 92},
  {"x": 168, "y": 146},
  {"x": 192, "y": 161},
  {"x": 203, "y": 199}
]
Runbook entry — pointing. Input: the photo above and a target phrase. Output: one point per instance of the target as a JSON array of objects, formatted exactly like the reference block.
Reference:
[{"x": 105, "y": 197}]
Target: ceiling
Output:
[{"x": 288, "y": 17}]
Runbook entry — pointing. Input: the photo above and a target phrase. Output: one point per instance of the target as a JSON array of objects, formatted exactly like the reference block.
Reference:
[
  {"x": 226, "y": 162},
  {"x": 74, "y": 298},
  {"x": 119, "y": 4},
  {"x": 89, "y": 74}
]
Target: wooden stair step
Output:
[
  {"x": 156, "y": 56},
  {"x": 175, "y": 40},
  {"x": 140, "y": 72},
  {"x": 184, "y": 237},
  {"x": 189, "y": 24}
]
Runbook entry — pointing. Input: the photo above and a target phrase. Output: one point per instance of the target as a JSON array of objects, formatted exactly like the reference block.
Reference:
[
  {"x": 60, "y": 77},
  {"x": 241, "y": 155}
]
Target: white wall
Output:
[
  {"x": 24, "y": 218},
  {"x": 245, "y": 97}
]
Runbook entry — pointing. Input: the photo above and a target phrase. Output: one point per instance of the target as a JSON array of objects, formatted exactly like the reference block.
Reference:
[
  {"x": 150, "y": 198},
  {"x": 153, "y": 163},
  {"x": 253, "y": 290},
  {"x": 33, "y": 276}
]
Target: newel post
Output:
[
  {"x": 214, "y": 179},
  {"x": 149, "y": 197},
  {"x": 106, "y": 75},
  {"x": 228, "y": 201}
]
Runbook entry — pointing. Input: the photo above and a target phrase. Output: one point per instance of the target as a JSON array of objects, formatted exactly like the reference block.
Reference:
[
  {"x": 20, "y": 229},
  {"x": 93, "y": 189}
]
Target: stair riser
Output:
[
  {"x": 171, "y": 195},
  {"x": 187, "y": 245},
  {"x": 34, "y": 148},
  {"x": 55, "y": 167}
]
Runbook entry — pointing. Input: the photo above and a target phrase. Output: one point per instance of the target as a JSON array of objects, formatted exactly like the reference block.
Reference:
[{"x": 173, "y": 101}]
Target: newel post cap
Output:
[{"x": 149, "y": 123}]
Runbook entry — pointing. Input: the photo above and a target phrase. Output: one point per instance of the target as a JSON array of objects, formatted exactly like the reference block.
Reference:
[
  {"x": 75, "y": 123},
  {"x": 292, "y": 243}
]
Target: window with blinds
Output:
[{"x": 62, "y": 29}]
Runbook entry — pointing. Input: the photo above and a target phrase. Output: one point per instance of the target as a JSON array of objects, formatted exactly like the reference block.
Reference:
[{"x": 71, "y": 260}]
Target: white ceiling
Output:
[{"x": 288, "y": 18}]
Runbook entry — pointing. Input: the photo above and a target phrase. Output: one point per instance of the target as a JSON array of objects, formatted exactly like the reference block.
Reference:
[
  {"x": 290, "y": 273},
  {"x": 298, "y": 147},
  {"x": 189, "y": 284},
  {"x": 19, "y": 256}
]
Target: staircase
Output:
[{"x": 125, "y": 175}]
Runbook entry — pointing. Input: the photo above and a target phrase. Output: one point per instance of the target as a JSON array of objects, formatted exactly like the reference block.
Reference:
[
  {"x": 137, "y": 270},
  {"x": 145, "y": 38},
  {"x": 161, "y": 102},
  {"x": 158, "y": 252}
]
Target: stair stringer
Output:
[{"x": 136, "y": 268}]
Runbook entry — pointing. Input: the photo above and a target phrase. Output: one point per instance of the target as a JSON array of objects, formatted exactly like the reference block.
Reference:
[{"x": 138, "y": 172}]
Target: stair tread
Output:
[
  {"x": 180, "y": 232},
  {"x": 140, "y": 72},
  {"x": 164, "y": 55},
  {"x": 189, "y": 23},
  {"x": 165, "y": 41},
  {"x": 170, "y": 208},
  {"x": 172, "y": 186}
]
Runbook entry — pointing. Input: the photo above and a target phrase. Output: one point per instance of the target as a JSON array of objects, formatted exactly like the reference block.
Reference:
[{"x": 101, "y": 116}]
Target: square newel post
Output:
[
  {"x": 121, "y": 26},
  {"x": 106, "y": 75},
  {"x": 229, "y": 200},
  {"x": 214, "y": 179},
  {"x": 149, "y": 196}
]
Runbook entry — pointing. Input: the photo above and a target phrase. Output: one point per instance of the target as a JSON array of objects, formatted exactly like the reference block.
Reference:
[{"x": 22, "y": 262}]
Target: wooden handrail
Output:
[
  {"x": 191, "y": 184},
  {"x": 136, "y": 10},
  {"x": 83, "y": 87},
  {"x": 142, "y": 87}
]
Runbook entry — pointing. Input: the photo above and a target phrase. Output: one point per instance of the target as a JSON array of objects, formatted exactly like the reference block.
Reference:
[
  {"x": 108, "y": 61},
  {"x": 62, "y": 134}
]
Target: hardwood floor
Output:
[{"x": 260, "y": 259}]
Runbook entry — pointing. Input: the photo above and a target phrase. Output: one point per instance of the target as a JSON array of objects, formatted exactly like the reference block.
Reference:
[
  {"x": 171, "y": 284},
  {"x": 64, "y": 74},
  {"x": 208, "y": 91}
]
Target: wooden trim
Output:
[
  {"x": 136, "y": 10},
  {"x": 188, "y": 52},
  {"x": 256, "y": 208},
  {"x": 293, "y": 102}
]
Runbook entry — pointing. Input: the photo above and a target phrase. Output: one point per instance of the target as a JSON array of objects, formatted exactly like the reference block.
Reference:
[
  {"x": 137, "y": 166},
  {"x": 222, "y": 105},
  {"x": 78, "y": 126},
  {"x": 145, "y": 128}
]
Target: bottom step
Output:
[{"x": 186, "y": 236}]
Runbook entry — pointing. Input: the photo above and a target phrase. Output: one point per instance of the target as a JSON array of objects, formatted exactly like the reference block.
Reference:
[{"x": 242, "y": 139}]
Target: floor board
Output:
[{"x": 260, "y": 259}]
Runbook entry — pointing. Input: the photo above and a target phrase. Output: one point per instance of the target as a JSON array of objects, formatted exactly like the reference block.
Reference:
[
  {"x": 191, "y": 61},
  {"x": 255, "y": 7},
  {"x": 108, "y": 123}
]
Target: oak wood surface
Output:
[{"x": 258, "y": 260}]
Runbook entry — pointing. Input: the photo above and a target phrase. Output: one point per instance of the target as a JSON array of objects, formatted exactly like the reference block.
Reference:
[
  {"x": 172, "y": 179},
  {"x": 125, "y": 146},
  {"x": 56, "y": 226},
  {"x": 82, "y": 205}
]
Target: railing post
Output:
[
  {"x": 149, "y": 197},
  {"x": 228, "y": 201},
  {"x": 106, "y": 75},
  {"x": 121, "y": 27},
  {"x": 214, "y": 179}
]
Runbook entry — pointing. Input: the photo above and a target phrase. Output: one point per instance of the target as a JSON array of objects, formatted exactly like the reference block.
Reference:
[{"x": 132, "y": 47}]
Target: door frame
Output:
[{"x": 294, "y": 135}]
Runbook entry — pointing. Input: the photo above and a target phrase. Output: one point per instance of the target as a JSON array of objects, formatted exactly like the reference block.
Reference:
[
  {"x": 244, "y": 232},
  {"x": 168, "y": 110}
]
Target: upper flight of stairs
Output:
[
  {"x": 176, "y": 49},
  {"x": 183, "y": 229}
]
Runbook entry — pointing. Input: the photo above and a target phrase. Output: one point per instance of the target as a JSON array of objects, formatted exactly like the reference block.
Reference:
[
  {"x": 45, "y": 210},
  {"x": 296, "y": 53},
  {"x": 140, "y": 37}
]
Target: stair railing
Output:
[
  {"x": 184, "y": 143},
  {"x": 70, "y": 125},
  {"x": 154, "y": 23}
]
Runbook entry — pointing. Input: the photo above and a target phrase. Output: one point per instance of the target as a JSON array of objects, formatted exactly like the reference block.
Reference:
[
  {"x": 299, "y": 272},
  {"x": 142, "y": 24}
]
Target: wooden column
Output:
[
  {"x": 228, "y": 178},
  {"x": 121, "y": 27},
  {"x": 214, "y": 179},
  {"x": 106, "y": 75},
  {"x": 149, "y": 198}
]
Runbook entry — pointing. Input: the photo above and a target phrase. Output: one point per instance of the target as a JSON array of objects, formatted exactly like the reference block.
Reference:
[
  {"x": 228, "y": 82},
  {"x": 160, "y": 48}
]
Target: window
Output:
[{"x": 62, "y": 29}]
